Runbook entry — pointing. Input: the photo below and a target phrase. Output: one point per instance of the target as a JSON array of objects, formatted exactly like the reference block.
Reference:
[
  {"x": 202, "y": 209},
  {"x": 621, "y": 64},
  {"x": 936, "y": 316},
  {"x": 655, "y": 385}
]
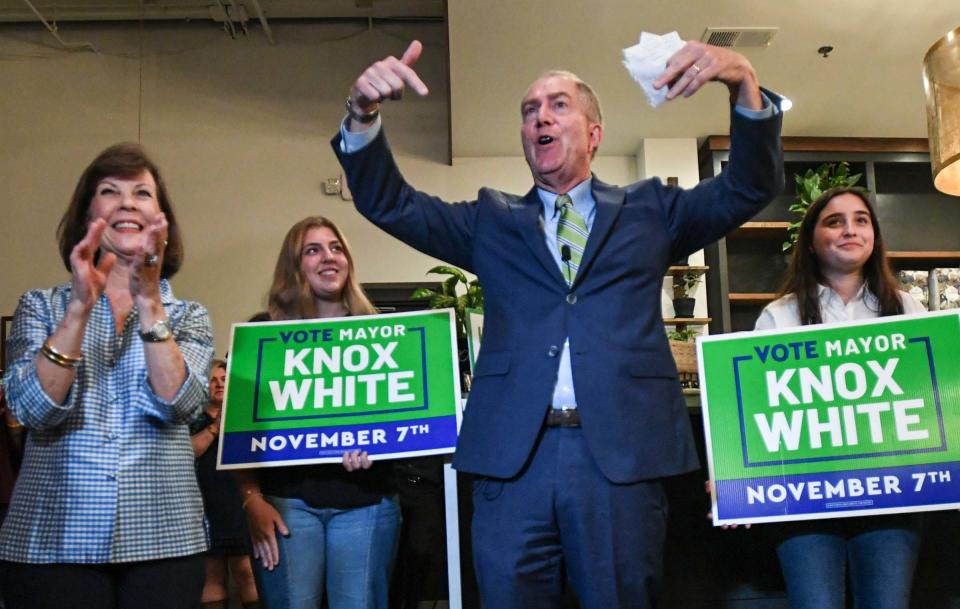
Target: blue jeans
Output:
[
  {"x": 350, "y": 551},
  {"x": 880, "y": 551}
]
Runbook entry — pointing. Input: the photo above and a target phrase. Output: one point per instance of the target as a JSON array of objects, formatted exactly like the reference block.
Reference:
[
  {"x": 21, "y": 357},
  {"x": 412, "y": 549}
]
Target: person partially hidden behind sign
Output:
[
  {"x": 106, "y": 372},
  {"x": 839, "y": 272},
  {"x": 338, "y": 525},
  {"x": 221, "y": 503}
]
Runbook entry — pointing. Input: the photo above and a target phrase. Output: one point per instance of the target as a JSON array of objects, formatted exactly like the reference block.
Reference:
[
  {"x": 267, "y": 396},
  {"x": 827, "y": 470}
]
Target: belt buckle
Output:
[{"x": 563, "y": 417}]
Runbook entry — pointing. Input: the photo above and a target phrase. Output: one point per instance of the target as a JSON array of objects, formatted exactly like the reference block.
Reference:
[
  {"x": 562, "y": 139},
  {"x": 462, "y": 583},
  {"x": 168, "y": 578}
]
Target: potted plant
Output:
[
  {"x": 470, "y": 297},
  {"x": 682, "y": 334},
  {"x": 685, "y": 354},
  {"x": 683, "y": 285},
  {"x": 810, "y": 186}
]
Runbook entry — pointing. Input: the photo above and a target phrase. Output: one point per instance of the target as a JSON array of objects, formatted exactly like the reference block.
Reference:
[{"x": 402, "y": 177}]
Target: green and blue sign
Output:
[
  {"x": 474, "y": 321},
  {"x": 833, "y": 420},
  {"x": 306, "y": 391}
]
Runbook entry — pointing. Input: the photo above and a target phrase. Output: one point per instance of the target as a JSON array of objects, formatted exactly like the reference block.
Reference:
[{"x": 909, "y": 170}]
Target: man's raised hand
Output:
[
  {"x": 697, "y": 63},
  {"x": 386, "y": 79}
]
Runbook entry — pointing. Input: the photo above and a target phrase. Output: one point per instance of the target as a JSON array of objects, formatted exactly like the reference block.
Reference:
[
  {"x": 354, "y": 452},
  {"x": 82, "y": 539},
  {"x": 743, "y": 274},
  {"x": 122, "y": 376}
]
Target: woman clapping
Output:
[{"x": 106, "y": 371}]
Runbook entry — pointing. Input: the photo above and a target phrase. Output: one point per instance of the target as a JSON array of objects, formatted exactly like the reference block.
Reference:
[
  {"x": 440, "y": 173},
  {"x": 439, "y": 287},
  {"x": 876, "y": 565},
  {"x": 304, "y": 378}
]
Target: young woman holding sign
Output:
[
  {"x": 338, "y": 525},
  {"x": 839, "y": 272}
]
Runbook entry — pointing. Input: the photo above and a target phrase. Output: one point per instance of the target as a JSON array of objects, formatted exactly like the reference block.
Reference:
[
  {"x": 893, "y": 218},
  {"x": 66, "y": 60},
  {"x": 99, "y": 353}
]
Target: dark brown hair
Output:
[
  {"x": 291, "y": 296},
  {"x": 804, "y": 275},
  {"x": 122, "y": 161}
]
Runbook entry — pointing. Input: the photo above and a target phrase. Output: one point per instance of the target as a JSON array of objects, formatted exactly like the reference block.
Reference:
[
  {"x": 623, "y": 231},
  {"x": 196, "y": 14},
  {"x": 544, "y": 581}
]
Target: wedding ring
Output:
[
  {"x": 696, "y": 68},
  {"x": 151, "y": 260}
]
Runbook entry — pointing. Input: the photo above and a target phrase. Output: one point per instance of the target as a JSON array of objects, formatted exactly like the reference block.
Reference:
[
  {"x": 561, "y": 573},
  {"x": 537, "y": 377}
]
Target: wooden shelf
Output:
[
  {"x": 896, "y": 168},
  {"x": 687, "y": 321},
  {"x": 898, "y": 260},
  {"x": 677, "y": 270},
  {"x": 746, "y": 298},
  {"x": 762, "y": 230},
  {"x": 835, "y": 144},
  {"x": 923, "y": 260}
]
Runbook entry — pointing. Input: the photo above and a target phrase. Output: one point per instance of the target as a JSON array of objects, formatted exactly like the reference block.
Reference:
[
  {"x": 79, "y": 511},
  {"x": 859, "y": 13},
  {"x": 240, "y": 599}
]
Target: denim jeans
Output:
[
  {"x": 350, "y": 551},
  {"x": 880, "y": 551}
]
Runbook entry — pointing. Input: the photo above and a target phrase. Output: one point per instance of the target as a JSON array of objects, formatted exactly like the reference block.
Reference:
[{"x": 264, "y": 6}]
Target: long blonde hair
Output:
[{"x": 290, "y": 295}]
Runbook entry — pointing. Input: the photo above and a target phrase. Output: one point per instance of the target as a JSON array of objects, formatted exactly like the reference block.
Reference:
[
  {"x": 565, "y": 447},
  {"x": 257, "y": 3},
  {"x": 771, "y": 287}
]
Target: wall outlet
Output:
[{"x": 331, "y": 186}]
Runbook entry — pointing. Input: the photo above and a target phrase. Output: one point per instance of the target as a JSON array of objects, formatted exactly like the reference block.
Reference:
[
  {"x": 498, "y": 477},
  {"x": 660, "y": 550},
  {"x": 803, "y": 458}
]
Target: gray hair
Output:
[{"x": 586, "y": 91}]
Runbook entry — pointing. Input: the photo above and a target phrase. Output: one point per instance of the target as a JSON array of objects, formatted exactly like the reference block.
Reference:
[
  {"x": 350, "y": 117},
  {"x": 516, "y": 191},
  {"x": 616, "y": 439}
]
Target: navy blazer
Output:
[{"x": 632, "y": 410}]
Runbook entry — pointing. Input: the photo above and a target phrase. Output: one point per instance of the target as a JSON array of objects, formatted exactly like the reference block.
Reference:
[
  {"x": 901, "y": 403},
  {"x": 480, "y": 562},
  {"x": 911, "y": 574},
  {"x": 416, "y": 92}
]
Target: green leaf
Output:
[
  {"x": 423, "y": 293},
  {"x": 475, "y": 297},
  {"x": 447, "y": 297},
  {"x": 448, "y": 270},
  {"x": 442, "y": 301},
  {"x": 682, "y": 334},
  {"x": 450, "y": 286}
]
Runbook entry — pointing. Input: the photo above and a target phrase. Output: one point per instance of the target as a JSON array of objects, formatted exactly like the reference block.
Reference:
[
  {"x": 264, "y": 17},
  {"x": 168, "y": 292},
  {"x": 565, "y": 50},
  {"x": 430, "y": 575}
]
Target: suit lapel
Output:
[
  {"x": 527, "y": 213},
  {"x": 609, "y": 203}
]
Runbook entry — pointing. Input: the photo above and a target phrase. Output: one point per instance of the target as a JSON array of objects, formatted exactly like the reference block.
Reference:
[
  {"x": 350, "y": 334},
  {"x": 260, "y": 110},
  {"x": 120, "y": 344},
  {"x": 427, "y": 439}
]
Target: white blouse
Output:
[{"x": 784, "y": 313}]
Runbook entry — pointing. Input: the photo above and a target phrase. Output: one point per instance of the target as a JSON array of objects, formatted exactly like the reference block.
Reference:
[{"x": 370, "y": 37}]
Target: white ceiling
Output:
[{"x": 870, "y": 85}]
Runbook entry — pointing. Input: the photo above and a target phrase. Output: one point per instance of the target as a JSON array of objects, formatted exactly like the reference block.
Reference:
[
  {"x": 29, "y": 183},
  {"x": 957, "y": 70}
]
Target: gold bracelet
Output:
[
  {"x": 250, "y": 495},
  {"x": 60, "y": 359},
  {"x": 15, "y": 425}
]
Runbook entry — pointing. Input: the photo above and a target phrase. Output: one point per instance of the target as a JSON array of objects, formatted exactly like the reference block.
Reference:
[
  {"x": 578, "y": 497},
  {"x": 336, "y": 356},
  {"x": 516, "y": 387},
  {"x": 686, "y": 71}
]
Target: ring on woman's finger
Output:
[
  {"x": 696, "y": 68},
  {"x": 151, "y": 260}
]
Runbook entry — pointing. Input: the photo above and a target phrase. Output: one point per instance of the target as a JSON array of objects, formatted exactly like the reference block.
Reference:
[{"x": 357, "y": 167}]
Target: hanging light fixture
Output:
[{"x": 941, "y": 85}]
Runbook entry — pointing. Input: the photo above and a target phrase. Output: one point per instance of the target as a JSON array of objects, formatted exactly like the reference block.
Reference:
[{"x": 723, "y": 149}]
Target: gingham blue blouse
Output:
[{"x": 108, "y": 475}]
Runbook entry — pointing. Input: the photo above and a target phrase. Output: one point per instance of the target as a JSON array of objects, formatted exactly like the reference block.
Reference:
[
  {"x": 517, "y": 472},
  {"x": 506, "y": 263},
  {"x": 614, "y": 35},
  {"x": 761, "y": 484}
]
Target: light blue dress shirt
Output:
[{"x": 564, "y": 396}]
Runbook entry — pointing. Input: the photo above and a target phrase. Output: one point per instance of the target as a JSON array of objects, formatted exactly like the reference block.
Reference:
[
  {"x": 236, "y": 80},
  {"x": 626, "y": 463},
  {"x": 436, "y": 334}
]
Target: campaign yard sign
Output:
[
  {"x": 474, "y": 321},
  {"x": 833, "y": 420},
  {"x": 302, "y": 392}
]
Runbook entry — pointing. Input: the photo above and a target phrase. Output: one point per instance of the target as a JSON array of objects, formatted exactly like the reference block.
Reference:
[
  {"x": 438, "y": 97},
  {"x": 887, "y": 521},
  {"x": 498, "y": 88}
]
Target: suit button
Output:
[
  {"x": 572, "y": 298},
  {"x": 553, "y": 351}
]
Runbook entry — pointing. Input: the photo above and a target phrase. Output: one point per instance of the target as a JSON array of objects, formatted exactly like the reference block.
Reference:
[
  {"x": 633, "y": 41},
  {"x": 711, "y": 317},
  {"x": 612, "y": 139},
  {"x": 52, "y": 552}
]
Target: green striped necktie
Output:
[{"x": 571, "y": 234}]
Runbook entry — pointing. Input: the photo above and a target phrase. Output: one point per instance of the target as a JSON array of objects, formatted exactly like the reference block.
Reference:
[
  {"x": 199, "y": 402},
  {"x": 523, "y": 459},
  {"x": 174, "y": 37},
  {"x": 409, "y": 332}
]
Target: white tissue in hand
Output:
[{"x": 647, "y": 60}]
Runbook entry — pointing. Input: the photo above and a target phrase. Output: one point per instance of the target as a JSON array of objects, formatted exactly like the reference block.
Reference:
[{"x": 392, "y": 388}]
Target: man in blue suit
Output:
[{"x": 575, "y": 414}]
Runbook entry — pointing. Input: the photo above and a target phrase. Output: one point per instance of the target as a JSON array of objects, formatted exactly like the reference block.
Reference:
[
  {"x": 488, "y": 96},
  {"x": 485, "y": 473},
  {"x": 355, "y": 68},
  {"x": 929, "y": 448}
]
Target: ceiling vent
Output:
[{"x": 739, "y": 36}]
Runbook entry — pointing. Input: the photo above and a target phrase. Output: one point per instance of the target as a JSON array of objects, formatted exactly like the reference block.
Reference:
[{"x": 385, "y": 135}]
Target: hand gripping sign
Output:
[
  {"x": 305, "y": 391},
  {"x": 833, "y": 420}
]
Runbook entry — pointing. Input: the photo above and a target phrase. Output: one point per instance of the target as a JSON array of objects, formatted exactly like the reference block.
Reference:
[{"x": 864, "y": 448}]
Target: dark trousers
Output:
[
  {"x": 172, "y": 583},
  {"x": 561, "y": 520}
]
